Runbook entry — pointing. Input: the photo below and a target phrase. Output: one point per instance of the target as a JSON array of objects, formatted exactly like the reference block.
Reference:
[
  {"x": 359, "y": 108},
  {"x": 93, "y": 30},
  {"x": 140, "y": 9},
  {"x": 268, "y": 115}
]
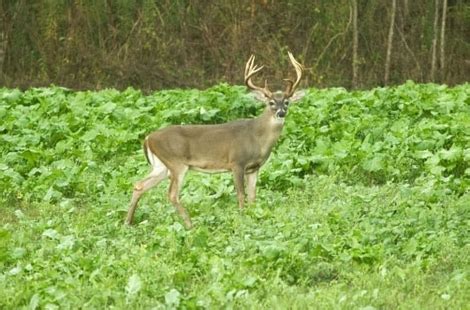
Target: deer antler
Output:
[
  {"x": 299, "y": 69},
  {"x": 250, "y": 70}
]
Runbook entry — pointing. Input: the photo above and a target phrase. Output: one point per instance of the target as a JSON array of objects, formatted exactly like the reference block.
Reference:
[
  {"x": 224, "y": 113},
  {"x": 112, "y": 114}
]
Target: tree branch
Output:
[{"x": 390, "y": 42}]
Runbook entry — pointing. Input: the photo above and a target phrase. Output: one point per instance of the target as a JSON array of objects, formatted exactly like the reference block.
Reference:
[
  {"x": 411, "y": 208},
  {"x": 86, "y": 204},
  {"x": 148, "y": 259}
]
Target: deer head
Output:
[{"x": 278, "y": 102}]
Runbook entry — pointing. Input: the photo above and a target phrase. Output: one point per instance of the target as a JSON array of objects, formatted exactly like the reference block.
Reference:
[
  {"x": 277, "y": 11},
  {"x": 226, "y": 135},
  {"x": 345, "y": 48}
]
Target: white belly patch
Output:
[{"x": 207, "y": 170}]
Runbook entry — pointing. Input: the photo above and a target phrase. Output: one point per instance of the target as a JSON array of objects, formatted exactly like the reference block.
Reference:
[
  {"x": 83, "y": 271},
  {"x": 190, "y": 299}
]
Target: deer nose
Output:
[{"x": 281, "y": 113}]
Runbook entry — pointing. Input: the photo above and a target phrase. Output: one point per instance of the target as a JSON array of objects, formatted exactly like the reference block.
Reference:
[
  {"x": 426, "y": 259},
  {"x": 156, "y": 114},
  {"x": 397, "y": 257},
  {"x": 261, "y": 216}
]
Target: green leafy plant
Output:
[{"x": 363, "y": 203}]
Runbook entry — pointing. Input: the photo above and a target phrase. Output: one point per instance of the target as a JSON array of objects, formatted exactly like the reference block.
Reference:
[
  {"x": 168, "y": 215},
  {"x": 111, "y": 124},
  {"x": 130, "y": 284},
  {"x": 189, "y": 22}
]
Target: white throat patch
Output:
[{"x": 278, "y": 120}]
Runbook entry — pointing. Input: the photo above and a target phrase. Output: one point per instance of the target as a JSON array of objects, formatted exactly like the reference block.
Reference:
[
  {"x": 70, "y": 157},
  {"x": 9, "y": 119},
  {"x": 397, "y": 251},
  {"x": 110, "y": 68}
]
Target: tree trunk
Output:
[
  {"x": 3, "y": 47},
  {"x": 3, "y": 39},
  {"x": 355, "y": 60},
  {"x": 443, "y": 30},
  {"x": 6, "y": 26},
  {"x": 434, "y": 41},
  {"x": 390, "y": 42},
  {"x": 404, "y": 17}
]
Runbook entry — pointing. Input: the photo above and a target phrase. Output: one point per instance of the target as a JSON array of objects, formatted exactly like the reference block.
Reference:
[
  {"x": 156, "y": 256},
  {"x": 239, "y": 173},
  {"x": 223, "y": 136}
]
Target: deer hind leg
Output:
[
  {"x": 177, "y": 177},
  {"x": 159, "y": 173}
]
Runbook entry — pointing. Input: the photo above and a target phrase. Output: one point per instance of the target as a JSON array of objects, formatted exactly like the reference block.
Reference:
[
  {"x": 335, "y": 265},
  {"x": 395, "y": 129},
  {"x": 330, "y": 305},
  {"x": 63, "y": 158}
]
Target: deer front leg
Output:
[
  {"x": 251, "y": 186},
  {"x": 177, "y": 177},
  {"x": 238, "y": 177}
]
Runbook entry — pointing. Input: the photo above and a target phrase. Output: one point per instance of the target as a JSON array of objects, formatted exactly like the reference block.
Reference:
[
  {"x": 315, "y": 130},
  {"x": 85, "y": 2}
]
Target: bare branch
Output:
[
  {"x": 390, "y": 42},
  {"x": 434, "y": 41},
  {"x": 342, "y": 33},
  {"x": 355, "y": 60},
  {"x": 418, "y": 66},
  {"x": 443, "y": 29}
]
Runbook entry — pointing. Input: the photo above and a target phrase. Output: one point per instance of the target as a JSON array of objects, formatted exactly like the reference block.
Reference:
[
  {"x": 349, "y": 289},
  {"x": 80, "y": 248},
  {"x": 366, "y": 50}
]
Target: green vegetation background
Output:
[{"x": 364, "y": 203}]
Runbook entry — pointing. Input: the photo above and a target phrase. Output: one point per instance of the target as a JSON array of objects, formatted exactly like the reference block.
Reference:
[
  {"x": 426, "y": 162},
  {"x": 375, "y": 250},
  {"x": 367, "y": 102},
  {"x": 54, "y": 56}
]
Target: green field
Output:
[{"x": 364, "y": 203}]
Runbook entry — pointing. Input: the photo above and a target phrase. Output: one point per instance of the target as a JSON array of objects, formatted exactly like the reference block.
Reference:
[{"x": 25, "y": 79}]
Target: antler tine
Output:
[
  {"x": 290, "y": 83},
  {"x": 299, "y": 72},
  {"x": 250, "y": 70},
  {"x": 248, "y": 64}
]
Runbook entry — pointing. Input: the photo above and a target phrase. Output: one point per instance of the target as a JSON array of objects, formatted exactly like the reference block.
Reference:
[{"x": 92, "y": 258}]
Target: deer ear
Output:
[
  {"x": 297, "y": 95},
  {"x": 258, "y": 95}
]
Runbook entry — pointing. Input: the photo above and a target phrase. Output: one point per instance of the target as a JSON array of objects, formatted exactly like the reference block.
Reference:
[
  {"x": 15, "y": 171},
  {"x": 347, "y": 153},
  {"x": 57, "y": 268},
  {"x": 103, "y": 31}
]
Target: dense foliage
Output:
[
  {"x": 165, "y": 44},
  {"x": 55, "y": 141},
  {"x": 364, "y": 202}
]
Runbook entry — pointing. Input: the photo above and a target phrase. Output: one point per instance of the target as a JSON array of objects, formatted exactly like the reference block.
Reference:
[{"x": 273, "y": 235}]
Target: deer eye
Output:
[
  {"x": 286, "y": 102},
  {"x": 271, "y": 103}
]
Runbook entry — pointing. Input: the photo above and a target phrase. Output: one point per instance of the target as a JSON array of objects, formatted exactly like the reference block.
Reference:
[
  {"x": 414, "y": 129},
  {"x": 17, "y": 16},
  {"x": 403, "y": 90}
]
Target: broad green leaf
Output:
[
  {"x": 423, "y": 154},
  {"x": 51, "y": 233},
  {"x": 108, "y": 107},
  {"x": 172, "y": 298},
  {"x": 34, "y": 302},
  {"x": 466, "y": 154},
  {"x": 452, "y": 154},
  {"x": 374, "y": 164},
  {"x": 134, "y": 285}
]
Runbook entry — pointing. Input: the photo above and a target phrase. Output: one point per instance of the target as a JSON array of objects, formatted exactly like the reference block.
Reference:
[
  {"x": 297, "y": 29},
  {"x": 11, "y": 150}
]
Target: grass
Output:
[
  {"x": 364, "y": 203},
  {"x": 324, "y": 245}
]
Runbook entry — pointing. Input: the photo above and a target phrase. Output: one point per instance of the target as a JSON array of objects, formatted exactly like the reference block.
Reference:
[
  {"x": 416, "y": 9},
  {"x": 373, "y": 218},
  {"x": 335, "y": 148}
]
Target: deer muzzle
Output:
[{"x": 281, "y": 113}]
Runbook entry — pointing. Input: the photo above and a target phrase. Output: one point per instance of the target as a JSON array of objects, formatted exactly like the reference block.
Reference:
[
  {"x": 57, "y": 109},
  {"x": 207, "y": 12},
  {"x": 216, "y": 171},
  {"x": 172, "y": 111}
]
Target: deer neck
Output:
[{"x": 268, "y": 128}]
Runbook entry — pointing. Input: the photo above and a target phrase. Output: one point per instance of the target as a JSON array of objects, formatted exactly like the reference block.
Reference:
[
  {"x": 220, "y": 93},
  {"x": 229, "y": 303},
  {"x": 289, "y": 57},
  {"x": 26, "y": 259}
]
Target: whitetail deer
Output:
[{"x": 241, "y": 146}]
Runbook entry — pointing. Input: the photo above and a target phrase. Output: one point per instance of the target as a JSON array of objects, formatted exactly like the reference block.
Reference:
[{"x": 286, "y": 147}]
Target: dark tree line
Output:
[{"x": 189, "y": 43}]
